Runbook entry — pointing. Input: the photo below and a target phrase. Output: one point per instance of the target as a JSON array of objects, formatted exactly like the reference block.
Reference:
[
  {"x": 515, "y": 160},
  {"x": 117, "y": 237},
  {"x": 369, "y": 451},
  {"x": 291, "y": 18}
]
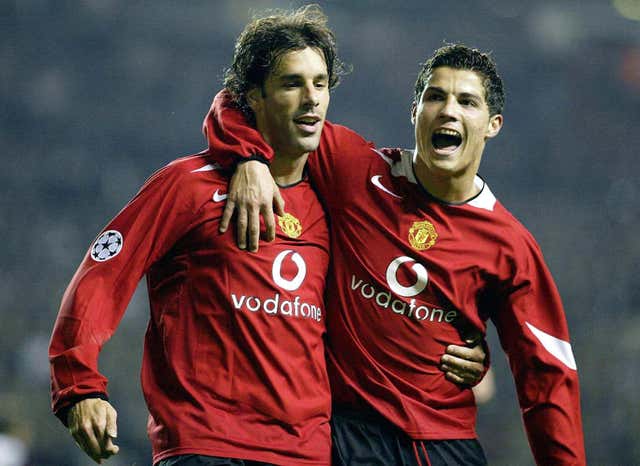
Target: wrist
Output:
[{"x": 251, "y": 158}]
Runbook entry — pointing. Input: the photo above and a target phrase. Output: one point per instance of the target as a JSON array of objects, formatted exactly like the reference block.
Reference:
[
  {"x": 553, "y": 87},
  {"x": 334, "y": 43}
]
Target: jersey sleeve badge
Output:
[{"x": 107, "y": 246}]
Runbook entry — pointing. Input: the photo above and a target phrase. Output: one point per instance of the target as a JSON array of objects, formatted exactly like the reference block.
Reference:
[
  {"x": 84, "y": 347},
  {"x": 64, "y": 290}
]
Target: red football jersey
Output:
[
  {"x": 233, "y": 362},
  {"x": 409, "y": 274}
]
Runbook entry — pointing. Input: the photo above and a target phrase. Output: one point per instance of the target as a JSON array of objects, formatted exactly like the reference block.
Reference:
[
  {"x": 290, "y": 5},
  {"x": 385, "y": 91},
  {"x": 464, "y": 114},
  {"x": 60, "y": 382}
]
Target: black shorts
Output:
[
  {"x": 367, "y": 439},
  {"x": 202, "y": 460}
]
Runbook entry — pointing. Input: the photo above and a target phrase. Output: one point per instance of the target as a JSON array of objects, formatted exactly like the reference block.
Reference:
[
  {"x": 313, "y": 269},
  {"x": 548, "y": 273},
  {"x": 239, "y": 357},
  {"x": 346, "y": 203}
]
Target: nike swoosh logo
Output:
[
  {"x": 217, "y": 197},
  {"x": 376, "y": 182},
  {"x": 206, "y": 168}
]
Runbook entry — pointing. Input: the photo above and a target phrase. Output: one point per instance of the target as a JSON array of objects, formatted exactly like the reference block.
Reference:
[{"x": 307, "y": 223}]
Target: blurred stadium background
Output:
[{"x": 97, "y": 94}]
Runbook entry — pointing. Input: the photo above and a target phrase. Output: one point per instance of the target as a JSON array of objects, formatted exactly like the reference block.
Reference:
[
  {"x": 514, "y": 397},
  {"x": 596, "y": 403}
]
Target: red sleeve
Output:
[
  {"x": 101, "y": 288},
  {"x": 533, "y": 332},
  {"x": 229, "y": 135}
]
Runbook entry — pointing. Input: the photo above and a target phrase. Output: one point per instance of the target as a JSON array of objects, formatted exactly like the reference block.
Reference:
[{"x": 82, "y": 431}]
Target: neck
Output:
[
  {"x": 446, "y": 186},
  {"x": 286, "y": 170}
]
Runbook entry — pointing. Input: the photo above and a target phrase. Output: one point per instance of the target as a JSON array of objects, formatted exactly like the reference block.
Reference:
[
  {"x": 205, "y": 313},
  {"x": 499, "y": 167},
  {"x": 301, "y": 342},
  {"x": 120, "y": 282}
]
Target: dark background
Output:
[{"x": 95, "y": 95}]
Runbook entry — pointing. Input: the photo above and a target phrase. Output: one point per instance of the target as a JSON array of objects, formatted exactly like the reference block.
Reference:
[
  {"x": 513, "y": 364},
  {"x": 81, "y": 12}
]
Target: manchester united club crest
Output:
[
  {"x": 290, "y": 225},
  {"x": 422, "y": 235}
]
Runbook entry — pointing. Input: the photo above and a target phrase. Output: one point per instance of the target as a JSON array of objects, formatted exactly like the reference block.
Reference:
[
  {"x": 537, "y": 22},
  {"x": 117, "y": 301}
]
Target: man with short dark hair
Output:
[
  {"x": 422, "y": 251},
  {"x": 234, "y": 368}
]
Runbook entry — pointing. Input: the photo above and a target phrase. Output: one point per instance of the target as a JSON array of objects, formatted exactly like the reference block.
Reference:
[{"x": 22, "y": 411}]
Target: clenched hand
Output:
[{"x": 92, "y": 422}]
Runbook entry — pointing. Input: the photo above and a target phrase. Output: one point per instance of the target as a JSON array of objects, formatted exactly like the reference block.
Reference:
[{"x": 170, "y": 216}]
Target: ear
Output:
[
  {"x": 495, "y": 123},
  {"x": 413, "y": 112},
  {"x": 254, "y": 98}
]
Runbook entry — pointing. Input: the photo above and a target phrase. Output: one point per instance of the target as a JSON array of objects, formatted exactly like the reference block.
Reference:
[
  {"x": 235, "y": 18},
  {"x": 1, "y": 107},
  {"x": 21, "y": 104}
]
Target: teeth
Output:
[
  {"x": 448, "y": 132},
  {"x": 308, "y": 121}
]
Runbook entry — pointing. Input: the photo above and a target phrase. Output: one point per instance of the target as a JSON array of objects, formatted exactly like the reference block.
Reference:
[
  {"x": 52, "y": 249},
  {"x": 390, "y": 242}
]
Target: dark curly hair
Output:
[
  {"x": 265, "y": 39},
  {"x": 461, "y": 57}
]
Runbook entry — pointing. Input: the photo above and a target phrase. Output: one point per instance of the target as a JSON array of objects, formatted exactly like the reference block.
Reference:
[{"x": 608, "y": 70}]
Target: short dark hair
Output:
[
  {"x": 265, "y": 39},
  {"x": 461, "y": 57}
]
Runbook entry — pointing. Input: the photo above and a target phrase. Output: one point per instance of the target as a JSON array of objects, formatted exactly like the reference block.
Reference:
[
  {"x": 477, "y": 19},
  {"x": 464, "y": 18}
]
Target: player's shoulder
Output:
[
  {"x": 189, "y": 171},
  {"x": 340, "y": 138},
  {"x": 498, "y": 222},
  {"x": 514, "y": 230}
]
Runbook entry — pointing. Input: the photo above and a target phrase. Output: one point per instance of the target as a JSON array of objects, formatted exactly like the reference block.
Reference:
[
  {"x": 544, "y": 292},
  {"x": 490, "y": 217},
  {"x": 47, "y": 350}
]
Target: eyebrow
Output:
[
  {"x": 462, "y": 94},
  {"x": 287, "y": 77}
]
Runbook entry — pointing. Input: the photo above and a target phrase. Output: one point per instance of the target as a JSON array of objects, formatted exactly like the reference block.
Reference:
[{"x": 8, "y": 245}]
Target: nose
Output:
[
  {"x": 311, "y": 96},
  {"x": 449, "y": 108}
]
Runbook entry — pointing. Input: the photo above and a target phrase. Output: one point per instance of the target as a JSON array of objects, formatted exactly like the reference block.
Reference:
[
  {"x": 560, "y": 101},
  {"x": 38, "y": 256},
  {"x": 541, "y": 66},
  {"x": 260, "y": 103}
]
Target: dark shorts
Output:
[
  {"x": 202, "y": 460},
  {"x": 370, "y": 440}
]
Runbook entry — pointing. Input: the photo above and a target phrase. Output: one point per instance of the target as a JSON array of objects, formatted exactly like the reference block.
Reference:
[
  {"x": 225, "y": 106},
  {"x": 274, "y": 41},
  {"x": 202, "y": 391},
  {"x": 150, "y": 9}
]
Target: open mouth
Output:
[
  {"x": 307, "y": 123},
  {"x": 446, "y": 140}
]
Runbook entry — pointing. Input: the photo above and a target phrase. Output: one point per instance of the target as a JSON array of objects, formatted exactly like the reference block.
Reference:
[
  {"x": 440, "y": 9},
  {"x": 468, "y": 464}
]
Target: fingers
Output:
[
  {"x": 269, "y": 223},
  {"x": 278, "y": 201},
  {"x": 462, "y": 365},
  {"x": 454, "y": 378},
  {"x": 252, "y": 193},
  {"x": 111, "y": 432},
  {"x": 478, "y": 352},
  {"x": 85, "y": 438},
  {"x": 92, "y": 423},
  {"x": 254, "y": 229},
  {"x": 472, "y": 354},
  {"x": 241, "y": 228},
  {"x": 110, "y": 448},
  {"x": 229, "y": 207},
  {"x": 469, "y": 373},
  {"x": 473, "y": 337}
]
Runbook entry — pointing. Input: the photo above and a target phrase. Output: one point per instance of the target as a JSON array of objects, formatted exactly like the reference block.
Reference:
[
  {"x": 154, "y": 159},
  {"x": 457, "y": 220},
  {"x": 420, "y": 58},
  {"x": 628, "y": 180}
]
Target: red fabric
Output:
[
  {"x": 233, "y": 362},
  {"x": 385, "y": 336}
]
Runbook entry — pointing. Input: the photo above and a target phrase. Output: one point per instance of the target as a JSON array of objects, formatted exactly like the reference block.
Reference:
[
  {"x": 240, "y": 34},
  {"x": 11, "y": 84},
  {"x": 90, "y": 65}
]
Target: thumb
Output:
[
  {"x": 278, "y": 202},
  {"x": 473, "y": 338},
  {"x": 111, "y": 448}
]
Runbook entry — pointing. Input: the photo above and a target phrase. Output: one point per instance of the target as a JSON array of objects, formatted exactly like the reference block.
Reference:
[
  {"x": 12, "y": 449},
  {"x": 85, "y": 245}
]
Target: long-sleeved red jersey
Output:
[
  {"x": 409, "y": 274},
  {"x": 234, "y": 360}
]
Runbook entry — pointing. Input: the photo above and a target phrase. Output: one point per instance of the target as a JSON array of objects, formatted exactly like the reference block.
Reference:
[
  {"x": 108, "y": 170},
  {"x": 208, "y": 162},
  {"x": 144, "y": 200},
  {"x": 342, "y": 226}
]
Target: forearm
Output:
[{"x": 555, "y": 433}]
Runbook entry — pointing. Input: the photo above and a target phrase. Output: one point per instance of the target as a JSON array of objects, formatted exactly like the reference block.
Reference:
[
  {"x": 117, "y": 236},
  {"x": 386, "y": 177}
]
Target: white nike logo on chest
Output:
[
  {"x": 217, "y": 197},
  {"x": 376, "y": 182}
]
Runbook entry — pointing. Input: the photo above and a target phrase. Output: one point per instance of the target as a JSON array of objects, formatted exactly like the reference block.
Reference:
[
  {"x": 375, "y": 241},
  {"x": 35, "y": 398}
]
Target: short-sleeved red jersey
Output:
[
  {"x": 233, "y": 362},
  {"x": 409, "y": 274}
]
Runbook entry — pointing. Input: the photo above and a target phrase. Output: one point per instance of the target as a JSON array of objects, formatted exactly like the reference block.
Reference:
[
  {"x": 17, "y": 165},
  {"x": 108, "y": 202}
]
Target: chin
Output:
[
  {"x": 309, "y": 145},
  {"x": 440, "y": 165}
]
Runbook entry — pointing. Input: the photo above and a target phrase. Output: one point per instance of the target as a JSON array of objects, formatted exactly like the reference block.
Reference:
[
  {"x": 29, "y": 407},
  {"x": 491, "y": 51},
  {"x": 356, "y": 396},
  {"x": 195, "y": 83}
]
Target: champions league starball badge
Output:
[{"x": 107, "y": 246}]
